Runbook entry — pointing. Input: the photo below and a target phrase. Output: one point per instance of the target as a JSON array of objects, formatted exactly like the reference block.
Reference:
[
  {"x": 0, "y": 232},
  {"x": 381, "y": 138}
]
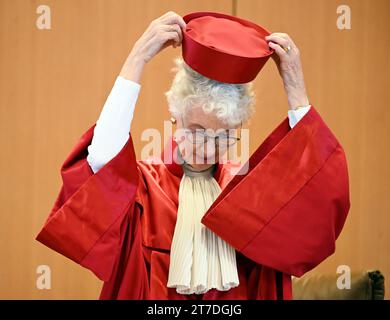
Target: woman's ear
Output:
[{"x": 178, "y": 121}]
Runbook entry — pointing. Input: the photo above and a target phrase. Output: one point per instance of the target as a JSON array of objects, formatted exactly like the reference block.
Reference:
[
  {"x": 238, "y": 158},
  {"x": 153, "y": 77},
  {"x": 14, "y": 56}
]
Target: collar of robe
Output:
[{"x": 200, "y": 260}]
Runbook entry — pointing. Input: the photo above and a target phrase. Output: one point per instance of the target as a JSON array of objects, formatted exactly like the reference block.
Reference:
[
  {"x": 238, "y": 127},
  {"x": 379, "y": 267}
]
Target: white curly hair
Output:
[{"x": 231, "y": 103}]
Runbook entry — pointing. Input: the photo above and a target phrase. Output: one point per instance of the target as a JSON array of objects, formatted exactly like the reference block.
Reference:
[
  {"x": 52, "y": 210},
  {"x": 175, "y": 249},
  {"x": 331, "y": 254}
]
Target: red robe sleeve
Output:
[
  {"x": 86, "y": 221},
  {"x": 287, "y": 211}
]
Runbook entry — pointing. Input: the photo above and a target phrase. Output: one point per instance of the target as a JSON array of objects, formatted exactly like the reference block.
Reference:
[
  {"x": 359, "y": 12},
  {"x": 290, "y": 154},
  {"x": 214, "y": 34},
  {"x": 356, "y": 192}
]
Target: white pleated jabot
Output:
[{"x": 199, "y": 259}]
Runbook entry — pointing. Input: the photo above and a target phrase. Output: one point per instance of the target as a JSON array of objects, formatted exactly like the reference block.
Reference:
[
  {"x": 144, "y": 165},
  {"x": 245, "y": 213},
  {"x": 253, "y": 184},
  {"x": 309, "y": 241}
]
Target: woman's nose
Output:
[{"x": 210, "y": 147}]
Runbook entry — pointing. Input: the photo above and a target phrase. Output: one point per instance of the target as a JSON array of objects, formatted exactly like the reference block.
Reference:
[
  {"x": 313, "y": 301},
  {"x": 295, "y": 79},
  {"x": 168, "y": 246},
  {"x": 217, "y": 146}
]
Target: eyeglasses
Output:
[{"x": 200, "y": 136}]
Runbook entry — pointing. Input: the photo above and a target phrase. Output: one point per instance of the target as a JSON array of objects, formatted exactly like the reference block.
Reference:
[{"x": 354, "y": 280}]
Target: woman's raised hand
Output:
[
  {"x": 288, "y": 60},
  {"x": 162, "y": 32}
]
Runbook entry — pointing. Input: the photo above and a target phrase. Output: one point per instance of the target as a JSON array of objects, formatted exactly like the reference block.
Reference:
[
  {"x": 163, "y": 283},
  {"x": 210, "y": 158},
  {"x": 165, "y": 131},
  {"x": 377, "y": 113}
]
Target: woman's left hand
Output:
[{"x": 288, "y": 61}]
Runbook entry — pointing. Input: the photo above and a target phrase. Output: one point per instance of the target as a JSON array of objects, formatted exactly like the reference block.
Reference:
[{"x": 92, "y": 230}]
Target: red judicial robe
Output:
[{"x": 282, "y": 217}]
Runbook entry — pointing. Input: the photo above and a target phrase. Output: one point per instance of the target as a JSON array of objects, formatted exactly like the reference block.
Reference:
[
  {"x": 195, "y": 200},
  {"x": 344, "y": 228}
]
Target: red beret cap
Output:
[{"x": 223, "y": 47}]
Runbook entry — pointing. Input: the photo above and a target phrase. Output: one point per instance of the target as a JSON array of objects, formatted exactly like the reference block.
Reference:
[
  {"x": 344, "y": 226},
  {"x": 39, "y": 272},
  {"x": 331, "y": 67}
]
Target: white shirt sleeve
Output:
[
  {"x": 295, "y": 115},
  {"x": 112, "y": 129}
]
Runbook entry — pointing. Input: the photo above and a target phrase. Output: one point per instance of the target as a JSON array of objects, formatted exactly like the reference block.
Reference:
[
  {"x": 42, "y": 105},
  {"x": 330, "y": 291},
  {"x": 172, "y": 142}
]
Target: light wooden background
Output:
[{"x": 53, "y": 84}]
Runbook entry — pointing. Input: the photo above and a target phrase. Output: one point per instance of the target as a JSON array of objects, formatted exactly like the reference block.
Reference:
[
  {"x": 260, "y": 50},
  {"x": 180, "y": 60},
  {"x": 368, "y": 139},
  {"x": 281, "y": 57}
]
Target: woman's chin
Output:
[
  {"x": 201, "y": 163},
  {"x": 201, "y": 167}
]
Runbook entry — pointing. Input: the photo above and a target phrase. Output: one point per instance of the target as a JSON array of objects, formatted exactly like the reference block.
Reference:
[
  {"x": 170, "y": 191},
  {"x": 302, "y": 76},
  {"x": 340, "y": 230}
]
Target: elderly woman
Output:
[{"x": 189, "y": 228}]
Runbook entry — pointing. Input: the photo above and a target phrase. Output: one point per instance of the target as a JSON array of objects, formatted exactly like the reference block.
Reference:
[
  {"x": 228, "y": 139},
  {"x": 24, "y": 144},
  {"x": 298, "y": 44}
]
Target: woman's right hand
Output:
[{"x": 162, "y": 32}]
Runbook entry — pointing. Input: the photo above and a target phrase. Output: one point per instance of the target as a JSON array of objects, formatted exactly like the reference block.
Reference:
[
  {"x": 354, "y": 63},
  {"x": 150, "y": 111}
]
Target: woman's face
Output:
[{"x": 201, "y": 155}]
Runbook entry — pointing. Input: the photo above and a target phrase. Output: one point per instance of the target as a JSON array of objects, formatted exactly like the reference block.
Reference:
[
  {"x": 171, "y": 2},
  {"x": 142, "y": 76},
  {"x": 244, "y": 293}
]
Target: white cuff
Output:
[{"x": 294, "y": 116}]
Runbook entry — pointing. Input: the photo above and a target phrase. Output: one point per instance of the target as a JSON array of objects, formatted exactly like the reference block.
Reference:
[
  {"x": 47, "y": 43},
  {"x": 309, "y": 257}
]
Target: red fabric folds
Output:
[
  {"x": 298, "y": 204},
  {"x": 84, "y": 224},
  {"x": 283, "y": 216}
]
